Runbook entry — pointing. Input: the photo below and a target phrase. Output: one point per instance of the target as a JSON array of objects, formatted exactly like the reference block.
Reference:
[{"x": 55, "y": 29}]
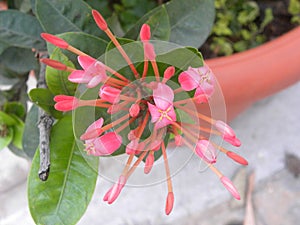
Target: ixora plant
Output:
[{"x": 107, "y": 97}]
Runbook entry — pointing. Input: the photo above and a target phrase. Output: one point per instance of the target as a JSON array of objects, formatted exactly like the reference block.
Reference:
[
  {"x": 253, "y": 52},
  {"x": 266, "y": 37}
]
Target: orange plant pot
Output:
[{"x": 257, "y": 73}]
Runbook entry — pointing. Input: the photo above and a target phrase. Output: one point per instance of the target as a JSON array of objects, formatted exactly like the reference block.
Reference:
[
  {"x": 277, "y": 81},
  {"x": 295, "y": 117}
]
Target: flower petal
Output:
[
  {"x": 86, "y": 61},
  {"x": 163, "y": 96},
  {"x": 79, "y": 76},
  {"x": 107, "y": 144},
  {"x": 155, "y": 114}
]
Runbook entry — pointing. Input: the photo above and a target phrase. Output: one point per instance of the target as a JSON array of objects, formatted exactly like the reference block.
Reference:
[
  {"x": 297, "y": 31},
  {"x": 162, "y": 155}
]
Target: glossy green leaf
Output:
[
  {"x": 18, "y": 132},
  {"x": 58, "y": 16},
  {"x": 57, "y": 80},
  {"x": 30, "y": 141},
  {"x": 15, "y": 108},
  {"x": 18, "y": 60},
  {"x": 44, "y": 99},
  {"x": 191, "y": 21},
  {"x": 6, "y": 136},
  {"x": 158, "y": 20},
  {"x": 64, "y": 197},
  {"x": 19, "y": 30},
  {"x": 89, "y": 44},
  {"x": 7, "y": 119}
]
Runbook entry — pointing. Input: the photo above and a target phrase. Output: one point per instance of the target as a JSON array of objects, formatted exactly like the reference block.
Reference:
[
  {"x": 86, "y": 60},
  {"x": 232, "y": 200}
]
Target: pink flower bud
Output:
[
  {"x": 230, "y": 187},
  {"x": 232, "y": 140},
  {"x": 145, "y": 33},
  {"x": 100, "y": 21},
  {"x": 55, "y": 40},
  {"x": 113, "y": 193},
  {"x": 206, "y": 151},
  {"x": 237, "y": 158},
  {"x": 54, "y": 64},
  {"x": 169, "y": 72},
  {"x": 132, "y": 147},
  {"x": 149, "y": 51},
  {"x": 169, "y": 203},
  {"x": 178, "y": 140},
  {"x": 224, "y": 128},
  {"x": 65, "y": 103},
  {"x": 110, "y": 94},
  {"x": 134, "y": 110},
  {"x": 149, "y": 163}
]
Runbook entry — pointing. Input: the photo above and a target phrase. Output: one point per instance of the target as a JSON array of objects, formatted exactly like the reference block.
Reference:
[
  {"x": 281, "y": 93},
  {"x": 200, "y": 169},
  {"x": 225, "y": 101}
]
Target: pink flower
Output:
[
  {"x": 227, "y": 133},
  {"x": 206, "y": 151},
  {"x": 93, "y": 72},
  {"x": 110, "y": 94},
  {"x": 200, "y": 79},
  {"x": 162, "y": 113},
  {"x": 93, "y": 131},
  {"x": 65, "y": 103},
  {"x": 104, "y": 145},
  {"x": 230, "y": 187}
]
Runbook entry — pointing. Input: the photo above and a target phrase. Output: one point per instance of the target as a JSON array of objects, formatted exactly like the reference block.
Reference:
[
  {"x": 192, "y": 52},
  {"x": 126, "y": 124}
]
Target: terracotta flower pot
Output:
[{"x": 257, "y": 73}]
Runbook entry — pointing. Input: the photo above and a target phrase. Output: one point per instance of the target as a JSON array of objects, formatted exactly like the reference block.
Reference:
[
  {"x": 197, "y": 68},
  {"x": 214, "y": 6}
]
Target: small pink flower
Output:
[
  {"x": 230, "y": 187},
  {"x": 206, "y": 151},
  {"x": 65, "y": 103},
  {"x": 93, "y": 72},
  {"x": 110, "y": 94},
  {"x": 162, "y": 113},
  {"x": 93, "y": 131},
  {"x": 104, "y": 145},
  {"x": 200, "y": 79}
]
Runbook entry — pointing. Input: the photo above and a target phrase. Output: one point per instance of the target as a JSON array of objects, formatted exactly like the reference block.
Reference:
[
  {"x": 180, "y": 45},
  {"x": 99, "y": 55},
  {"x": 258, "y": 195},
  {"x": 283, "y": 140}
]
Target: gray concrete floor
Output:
[{"x": 268, "y": 130}]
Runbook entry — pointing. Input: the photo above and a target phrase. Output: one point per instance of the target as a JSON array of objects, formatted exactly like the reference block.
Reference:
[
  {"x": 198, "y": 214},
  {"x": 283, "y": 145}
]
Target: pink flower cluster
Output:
[{"x": 156, "y": 109}]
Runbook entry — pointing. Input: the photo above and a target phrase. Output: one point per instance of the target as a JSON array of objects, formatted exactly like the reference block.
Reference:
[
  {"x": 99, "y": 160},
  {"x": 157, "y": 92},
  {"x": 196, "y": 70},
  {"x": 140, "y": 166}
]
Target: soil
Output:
[{"x": 280, "y": 24}]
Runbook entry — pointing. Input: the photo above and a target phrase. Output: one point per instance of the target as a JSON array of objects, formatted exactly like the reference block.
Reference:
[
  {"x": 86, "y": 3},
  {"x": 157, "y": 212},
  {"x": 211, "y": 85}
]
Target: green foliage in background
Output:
[{"x": 236, "y": 28}]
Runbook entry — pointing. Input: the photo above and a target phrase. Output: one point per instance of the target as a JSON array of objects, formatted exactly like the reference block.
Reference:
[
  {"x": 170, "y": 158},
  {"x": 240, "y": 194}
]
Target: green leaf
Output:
[
  {"x": 44, "y": 99},
  {"x": 191, "y": 21},
  {"x": 18, "y": 132},
  {"x": 64, "y": 197},
  {"x": 158, "y": 20},
  {"x": 7, "y": 119},
  {"x": 30, "y": 141},
  {"x": 19, "y": 30},
  {"x": 89, "y": 44},
  {"x": 18, "y": 60},
  {"x": 57, "y": 80},
  {"x": 15, "y": 108},
  {"x": 58, "y": 16},
  {"x": 6, "y": 136}
]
